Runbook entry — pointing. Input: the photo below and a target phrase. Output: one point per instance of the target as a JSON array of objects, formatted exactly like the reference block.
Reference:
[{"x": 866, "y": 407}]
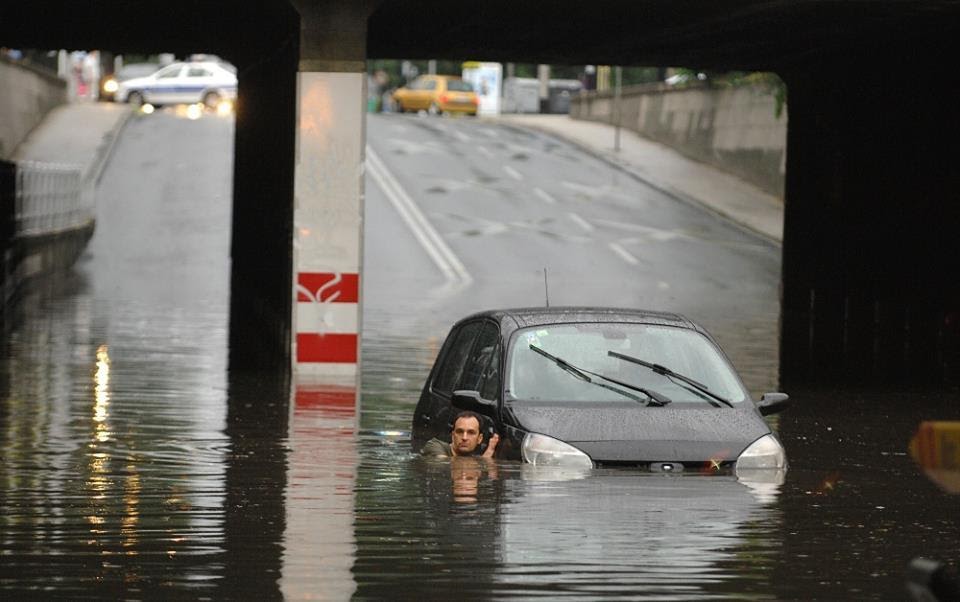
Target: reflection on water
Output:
[
  {"x": 109, "y": 480},
  {"x": 489, "y": 530},
  {"x": 319, "y": 543}
]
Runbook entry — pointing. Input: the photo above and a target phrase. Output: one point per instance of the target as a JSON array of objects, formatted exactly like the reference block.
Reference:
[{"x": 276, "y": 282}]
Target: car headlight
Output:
[
  {"x": 765, "y": 452},
  {"x": 541, "y": 450},
  {"x": 111, "y": 86}
]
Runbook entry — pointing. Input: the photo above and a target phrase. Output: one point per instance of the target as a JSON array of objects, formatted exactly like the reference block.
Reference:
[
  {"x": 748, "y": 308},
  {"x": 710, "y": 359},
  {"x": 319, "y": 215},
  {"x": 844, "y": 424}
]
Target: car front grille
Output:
[{"x": 710, "y": 467}]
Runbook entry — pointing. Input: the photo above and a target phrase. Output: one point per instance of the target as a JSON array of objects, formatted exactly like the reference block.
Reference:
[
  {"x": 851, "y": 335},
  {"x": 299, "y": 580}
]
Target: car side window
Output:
[
  {"x": 480, "y": 357},
  {"x": 198, "y": 72},
  {"x": 456, "y": 357},
  {"x": 430, "y": 84},
  {"x": 167, "y": 73},
  {"x": 490, "y": 381}
]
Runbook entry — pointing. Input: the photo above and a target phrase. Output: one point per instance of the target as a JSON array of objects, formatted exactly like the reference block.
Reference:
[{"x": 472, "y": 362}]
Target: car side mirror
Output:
[
  {"x": 471, "y": 400},
  {"x": 771, "y": 403}
]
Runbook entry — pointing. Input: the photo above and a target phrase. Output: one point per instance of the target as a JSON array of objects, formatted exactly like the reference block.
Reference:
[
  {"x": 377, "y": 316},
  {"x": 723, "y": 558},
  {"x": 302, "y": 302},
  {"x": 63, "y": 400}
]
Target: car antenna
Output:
[{"x": 546, "y": 288}]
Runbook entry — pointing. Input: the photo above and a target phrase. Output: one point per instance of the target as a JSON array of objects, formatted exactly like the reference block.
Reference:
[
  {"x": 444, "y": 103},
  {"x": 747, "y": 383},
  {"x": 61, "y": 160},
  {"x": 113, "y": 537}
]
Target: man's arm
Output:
[{"x": 492, "y": 446}]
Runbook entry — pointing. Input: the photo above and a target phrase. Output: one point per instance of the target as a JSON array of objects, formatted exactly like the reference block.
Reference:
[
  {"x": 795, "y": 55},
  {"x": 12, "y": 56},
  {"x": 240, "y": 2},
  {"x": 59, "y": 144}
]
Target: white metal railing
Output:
[{"x": 51, "y": 197}]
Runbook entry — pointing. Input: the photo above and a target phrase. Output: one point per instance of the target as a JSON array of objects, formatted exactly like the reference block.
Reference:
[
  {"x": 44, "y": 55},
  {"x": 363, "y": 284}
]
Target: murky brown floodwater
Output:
[{"x": 134, "y": 466}]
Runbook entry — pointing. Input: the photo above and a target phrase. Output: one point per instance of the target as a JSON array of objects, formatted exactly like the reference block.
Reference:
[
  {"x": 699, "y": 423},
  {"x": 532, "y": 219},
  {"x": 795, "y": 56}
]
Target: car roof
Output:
[
  {"x": 525, "y": 317},
  {"x": 195, "y": 64}
]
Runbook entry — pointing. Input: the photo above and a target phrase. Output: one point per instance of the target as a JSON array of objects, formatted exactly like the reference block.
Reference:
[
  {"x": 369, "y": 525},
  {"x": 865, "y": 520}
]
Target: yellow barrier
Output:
[{"x": 936, "y": 448}]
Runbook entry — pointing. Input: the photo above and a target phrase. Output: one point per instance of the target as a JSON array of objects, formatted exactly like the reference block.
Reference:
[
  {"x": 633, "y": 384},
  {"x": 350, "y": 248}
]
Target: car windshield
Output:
[
  {"x": 458, "y": 85},
  {"x": 531, "y": 376}
]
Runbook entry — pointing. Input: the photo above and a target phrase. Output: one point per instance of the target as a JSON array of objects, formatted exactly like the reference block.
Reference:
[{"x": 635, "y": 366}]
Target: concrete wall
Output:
[
  {"x": 734, "y": 129},
  {"x": 26, "y": 95}
]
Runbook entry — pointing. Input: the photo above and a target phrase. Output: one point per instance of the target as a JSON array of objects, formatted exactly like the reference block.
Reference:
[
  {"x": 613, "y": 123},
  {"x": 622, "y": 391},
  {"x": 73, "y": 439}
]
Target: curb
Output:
[
  {"x": 105, "y": 149},
  {"x": 666, "y": 189}
]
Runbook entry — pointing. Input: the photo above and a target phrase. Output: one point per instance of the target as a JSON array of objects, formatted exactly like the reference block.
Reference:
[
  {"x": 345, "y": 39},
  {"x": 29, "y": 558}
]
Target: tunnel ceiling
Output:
[{"x": 746, "y": 34}]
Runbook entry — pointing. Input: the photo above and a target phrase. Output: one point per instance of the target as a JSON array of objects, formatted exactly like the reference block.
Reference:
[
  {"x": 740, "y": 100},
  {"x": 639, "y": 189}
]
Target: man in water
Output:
[{"x": 465, "y": 439}]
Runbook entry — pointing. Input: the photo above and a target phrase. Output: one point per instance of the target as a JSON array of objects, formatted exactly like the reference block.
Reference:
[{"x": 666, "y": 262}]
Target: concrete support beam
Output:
[
  {"x": 328, "y": 190},
  {"x": 263, "y": 192}
]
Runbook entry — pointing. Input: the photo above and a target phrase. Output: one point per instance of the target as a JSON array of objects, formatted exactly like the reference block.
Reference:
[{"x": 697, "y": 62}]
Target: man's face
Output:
[{"x": 466, "y": 436}]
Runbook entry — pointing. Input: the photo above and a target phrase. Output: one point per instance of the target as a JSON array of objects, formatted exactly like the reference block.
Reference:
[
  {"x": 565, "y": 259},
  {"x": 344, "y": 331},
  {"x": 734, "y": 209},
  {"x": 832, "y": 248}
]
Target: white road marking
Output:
[
  {"x": 657, "y": 234},
  {"x": 450, "y": 185},
  {"x": 593, "y": 192},
  {"x": 544, "y": 196},
  {"x": 487, "y": 227},
  {"x": 461, "y": 136},
  {"x": 623, "y": 253},
  {"x": 590, "y": 191},
  {"x": 449, "y": 264},
  {"x": 485, "y": 152},
  {"x": 581, "y": 222},
  {"x": 532, "y": 227},
  {"x": 513, "y": 173},
  {"x": 413, "y": 148}
]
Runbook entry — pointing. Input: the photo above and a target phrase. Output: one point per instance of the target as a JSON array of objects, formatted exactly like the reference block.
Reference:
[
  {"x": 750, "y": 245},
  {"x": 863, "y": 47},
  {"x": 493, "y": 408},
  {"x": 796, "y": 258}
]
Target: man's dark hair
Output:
[{"x": 468, "y": 414}]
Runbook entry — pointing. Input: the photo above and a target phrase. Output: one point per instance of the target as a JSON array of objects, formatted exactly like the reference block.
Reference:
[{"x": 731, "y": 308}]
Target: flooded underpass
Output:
[{"x": 135, "y": 465}]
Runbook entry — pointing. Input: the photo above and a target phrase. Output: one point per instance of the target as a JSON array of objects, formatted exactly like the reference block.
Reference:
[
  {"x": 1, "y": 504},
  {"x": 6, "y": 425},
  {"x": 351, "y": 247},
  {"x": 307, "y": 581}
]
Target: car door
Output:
[
  {"x": 434, "y": 412},
  {"x": 197, "y": 79},
  {"x": 481, "y": 374},
  {"x": 164, "y": 87},
  {"x": 422, "y": 93}
]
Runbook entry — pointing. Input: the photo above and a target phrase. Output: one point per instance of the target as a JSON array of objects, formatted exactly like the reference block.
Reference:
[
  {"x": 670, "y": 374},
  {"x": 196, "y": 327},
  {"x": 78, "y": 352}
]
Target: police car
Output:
[{"x": 187, "y": 83}]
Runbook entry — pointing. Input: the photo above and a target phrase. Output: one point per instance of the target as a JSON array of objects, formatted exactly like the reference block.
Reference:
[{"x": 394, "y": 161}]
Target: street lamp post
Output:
[{"x": 618, "y": 74}]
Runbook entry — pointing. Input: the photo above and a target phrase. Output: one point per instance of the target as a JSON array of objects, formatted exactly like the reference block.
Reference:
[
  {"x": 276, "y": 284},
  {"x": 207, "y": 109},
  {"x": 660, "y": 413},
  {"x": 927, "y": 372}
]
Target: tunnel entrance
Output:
[{"x": 867, "y": 254}]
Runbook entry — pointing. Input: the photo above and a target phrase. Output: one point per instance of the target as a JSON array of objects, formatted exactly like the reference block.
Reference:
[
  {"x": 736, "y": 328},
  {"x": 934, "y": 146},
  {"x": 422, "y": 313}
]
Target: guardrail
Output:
[
  {"x": 51, "y": 198},
  {"x": 46, "y": 218}
]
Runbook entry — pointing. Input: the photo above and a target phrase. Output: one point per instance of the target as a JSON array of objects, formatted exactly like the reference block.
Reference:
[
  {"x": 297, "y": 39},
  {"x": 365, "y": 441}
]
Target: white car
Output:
[{"x": 187, "y": 83}]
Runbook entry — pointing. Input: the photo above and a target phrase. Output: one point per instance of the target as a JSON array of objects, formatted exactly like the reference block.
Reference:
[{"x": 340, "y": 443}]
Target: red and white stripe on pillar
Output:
[{"x": 327, "y": 321}]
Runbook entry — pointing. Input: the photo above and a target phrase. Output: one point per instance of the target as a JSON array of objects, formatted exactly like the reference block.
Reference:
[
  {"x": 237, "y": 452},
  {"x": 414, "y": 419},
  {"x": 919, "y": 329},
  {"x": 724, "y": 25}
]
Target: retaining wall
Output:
[
  {"x": 735, "y": 129},
  {"x": 26, "y": 95}
]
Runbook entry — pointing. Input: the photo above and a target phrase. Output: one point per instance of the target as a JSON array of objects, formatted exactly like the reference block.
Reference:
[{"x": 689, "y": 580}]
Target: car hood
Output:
[{"x": 637, "y": 433}]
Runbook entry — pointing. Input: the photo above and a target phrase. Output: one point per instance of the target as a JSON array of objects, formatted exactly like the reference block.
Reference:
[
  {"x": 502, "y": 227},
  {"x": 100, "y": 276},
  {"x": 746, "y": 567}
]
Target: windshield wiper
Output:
[
  {"x": 663, "y": 370},
  {"x": 653, "y": 398}
]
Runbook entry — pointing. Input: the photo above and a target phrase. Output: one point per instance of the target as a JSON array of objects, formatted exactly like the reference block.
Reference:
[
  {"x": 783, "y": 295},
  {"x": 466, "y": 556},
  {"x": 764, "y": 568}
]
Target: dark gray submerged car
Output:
[{"x": 595, "y": 387}]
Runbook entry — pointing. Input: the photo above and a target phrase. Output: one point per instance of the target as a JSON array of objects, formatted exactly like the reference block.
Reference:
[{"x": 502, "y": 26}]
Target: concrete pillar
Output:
[
  {"x": 262, "y": 223},
  {"x": 870, "y": 251},
  {"x": 328, "y": 190}
]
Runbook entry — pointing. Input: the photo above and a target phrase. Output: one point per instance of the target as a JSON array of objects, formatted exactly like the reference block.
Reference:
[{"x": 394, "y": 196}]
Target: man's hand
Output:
[{"x": 492, "y": 446}]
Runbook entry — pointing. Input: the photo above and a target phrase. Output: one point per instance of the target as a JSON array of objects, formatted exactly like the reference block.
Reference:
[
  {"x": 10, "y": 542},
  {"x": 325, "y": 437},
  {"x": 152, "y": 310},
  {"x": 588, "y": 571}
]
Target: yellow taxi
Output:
[{"x": 437, "y": 94}]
